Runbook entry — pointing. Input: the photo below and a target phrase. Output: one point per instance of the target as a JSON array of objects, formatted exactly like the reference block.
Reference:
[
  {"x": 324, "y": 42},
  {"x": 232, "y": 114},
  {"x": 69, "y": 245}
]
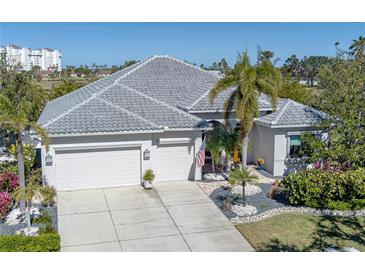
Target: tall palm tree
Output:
[
  {"x": 18, "y": 102},
  {"x": 32, "y": 189},
  {"x": 242, "y": 176},
  {"x": 357, "y": 48},
  {"x": 243, "y": 101}
]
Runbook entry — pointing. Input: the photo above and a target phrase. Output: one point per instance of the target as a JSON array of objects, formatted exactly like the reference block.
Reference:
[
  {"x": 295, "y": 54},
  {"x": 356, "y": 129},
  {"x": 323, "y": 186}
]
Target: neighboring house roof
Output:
[
  {"x": 291, "y": 114},
  {"x": 152, "y": 95}
]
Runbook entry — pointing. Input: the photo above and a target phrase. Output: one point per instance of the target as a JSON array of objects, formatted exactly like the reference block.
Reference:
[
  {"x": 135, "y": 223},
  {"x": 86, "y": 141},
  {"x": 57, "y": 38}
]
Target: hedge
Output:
[
  {"x": 19, "y": 243},
  {"x": 326, "y": 190}
]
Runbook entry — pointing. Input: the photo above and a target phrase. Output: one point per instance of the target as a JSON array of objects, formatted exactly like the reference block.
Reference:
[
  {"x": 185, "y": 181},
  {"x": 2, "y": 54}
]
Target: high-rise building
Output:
[{"x": 26, "y": 58}]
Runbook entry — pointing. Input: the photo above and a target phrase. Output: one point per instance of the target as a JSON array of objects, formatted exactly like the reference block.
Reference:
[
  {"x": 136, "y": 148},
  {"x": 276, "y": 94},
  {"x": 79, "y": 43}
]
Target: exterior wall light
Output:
[
  {"x": 146, "y": 154},
  {"x": 49, "y": 160}
]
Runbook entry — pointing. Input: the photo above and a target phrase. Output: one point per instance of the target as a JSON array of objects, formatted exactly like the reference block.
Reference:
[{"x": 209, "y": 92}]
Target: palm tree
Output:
[
  {"x": 243, "y": 101},
  {"x": 214, "y": 145},
  {"x": 357, "y": 49},
  {"x": 242, "y": 176},
  {"x": 32, "y": 189},
  {"x": 20, "y": 105}
]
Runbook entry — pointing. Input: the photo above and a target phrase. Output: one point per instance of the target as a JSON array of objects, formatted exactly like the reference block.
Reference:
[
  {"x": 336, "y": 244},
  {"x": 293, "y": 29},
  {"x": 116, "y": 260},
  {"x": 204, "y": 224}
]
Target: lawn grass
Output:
[{"x": 297, "y": 232}]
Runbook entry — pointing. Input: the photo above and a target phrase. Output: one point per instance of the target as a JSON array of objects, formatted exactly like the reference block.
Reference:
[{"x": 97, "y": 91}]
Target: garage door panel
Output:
[
  {"x": 76, "y": 169},
  {"x": 173, "y": 162}
]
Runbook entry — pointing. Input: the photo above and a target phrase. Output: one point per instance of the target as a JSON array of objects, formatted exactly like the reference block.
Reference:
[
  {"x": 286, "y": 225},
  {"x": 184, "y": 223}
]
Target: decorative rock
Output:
[
  {"x": 214, "y": 177},
  {"x": 249, "y": 190},
  {"x": 32, "y": 232},
  {"x": 345, "y": 249},
  {"x": 17, "y": 217},
  {"x": 241, "y": 211}
]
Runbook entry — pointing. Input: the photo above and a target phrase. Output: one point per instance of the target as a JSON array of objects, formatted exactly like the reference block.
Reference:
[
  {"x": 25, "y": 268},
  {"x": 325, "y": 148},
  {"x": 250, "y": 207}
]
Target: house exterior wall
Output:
[{"x": 145, "y": 141}]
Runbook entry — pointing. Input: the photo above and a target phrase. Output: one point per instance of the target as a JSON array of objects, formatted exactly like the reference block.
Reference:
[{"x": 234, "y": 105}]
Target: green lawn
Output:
[{"x": 295, "y": 232}]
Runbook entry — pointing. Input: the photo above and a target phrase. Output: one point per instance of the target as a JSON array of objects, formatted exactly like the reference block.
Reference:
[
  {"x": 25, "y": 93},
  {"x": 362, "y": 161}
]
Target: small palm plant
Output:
[
  {"x": 32, "y": 189},
  {"x": 242, "y": 176}
]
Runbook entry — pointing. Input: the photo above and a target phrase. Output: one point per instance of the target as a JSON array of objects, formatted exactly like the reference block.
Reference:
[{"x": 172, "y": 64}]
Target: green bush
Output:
[
  {"x": 333, "y": 190},
  {"x": 44, "y": 218},
  {"x": 19, "y": 243},
  {"x": 149, "y": 175}
]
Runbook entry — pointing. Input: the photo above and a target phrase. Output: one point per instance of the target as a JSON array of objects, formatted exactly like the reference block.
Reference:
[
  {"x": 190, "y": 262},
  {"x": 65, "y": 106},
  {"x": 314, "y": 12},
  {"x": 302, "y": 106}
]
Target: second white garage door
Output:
[
  {"x": 173, "y": 162},
  {"x": 95, "y": 168}
]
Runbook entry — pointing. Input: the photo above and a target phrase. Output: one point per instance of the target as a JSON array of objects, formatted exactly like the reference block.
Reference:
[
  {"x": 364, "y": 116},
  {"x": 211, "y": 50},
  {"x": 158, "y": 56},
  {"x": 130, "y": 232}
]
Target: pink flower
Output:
[
  {"x": 5, "y": 201},
  {"x": 8, "y": 181}
]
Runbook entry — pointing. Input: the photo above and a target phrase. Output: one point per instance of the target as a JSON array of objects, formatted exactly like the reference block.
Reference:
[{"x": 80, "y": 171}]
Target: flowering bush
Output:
[
  {"x": 5, "y": 202},
  {"x": 8, "y": 182}
]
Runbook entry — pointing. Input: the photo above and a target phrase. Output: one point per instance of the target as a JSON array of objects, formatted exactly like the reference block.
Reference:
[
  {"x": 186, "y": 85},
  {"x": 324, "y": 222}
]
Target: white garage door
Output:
[
  {"x": 94, "y": 168},
  {"x": 173, "y": 162}
]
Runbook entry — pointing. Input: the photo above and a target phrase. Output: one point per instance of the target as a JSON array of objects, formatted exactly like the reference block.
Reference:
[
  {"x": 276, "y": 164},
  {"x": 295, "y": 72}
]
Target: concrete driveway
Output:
[{"x": 174, "y": 216}]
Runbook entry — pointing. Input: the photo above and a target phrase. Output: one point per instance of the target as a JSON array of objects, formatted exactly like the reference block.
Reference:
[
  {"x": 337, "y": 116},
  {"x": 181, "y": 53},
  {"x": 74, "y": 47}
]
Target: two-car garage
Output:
[{"x": 108, "y": 164}]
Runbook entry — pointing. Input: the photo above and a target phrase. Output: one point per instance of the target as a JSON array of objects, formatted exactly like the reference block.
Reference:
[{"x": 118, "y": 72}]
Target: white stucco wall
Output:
[{"x": 145, "y": 141}]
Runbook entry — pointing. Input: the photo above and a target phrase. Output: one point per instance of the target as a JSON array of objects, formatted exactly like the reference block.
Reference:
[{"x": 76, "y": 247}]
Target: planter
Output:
[
  {"x": 147, "y": 184},
  {"x": 260, "y": 167}
]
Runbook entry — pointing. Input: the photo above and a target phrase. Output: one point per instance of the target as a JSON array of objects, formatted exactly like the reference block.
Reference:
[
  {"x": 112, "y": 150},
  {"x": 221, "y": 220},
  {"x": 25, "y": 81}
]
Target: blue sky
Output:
[{"x": 113, "y": 43}]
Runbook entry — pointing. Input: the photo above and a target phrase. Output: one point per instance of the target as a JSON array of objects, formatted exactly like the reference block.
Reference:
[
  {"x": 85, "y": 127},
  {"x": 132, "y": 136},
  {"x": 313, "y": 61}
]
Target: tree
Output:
[
  {"x": 342, "y": 99},
  {"x": 357, "y": 48},
  {"x": 215, "y": 146},
  {"x": 243, "y": 101},
  {"x": 67, "y": 86},
  {"x": 32, "y": 189},
  {"x": 242, "y": 176},
  {"x": 20, "y": 104},
  {"x": 311, "y": 65},
  {"x": 292, "y": 67}
]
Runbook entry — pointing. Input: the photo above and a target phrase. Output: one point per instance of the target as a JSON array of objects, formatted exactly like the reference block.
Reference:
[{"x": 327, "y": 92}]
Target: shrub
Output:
[
  {"x": 48, "y": 194},
  {"x": 342, "y": 190},
  {"x": 5, "y": 203},
  {"x": 20, "y": 243},
  {"x": 10, "y": 166},
  {"x": 148, "y": 175},
  {"x": 8, "y": 182},
  {"x": 44, "y": 218}
]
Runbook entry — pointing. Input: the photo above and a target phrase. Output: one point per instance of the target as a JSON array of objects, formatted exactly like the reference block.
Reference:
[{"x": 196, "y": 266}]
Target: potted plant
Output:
[
  {"x": 148, "y": 177},
  {"x": 260, "y": 164}
]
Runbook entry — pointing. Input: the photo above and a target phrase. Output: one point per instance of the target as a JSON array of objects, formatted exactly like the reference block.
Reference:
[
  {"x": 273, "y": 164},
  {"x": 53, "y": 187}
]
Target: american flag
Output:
[{"x": 200, "y": 157}]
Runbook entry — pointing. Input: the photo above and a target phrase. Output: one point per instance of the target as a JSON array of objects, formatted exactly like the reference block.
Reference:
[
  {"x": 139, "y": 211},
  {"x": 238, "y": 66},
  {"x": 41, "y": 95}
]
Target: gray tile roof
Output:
[
  {"x": 203, "y": 104},
  {"x": 150, "y": 95},
  {"x": 291, "y": 114}
]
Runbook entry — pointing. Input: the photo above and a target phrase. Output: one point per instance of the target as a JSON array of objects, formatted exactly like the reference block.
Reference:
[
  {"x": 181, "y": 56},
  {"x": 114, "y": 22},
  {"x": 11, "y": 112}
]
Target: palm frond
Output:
[
  {"x": 42, "y": 132},
  {"x": 223, "y": 84}
]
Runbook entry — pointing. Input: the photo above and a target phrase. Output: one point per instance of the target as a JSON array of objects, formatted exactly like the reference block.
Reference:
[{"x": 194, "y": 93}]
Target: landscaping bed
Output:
[{"x": 296, "y": 232}]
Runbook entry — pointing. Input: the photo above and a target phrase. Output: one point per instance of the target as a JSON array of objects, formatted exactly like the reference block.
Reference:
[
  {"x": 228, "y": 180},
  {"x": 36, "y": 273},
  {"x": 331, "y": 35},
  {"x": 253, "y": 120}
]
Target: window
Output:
[{"x": 294, "y": 145}]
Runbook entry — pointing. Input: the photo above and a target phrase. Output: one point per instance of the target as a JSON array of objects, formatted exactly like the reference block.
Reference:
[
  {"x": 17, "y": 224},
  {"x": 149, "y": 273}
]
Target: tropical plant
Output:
[
  {"x": 20, "y": 105},
  {"x": 29, "y": 155},
  {"x": 242, "y": 176},
  {"x": 243, "y": 101},
  {"x": 32, "y": 189},
  {"x": 8, "y": 181},
  {"x": 357, "y": 48},
  {"x": 149, "y": 175},
  {"x": 214, "y": 144},
  {"x": 5, "y": 203},
  {"x": 48, "y": 194}
]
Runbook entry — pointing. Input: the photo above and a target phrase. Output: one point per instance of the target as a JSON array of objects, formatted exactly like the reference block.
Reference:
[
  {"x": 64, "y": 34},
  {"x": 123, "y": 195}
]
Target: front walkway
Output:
[{"x": 175, "y": 216}]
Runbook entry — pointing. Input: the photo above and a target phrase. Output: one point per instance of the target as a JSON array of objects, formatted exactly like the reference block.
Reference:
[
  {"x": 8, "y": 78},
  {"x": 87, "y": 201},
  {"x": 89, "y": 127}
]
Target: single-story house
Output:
[{"x": 153, "y": 114}]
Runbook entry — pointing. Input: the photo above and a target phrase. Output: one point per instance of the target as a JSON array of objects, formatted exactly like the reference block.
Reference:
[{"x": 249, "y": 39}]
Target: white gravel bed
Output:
[
  {"x": 299, "y": 210},
  {"x": 250, "y": 190},
  {"x": 215, "y": 177},
  {"x": 16, "y": 217},
  {"x": 241, "y": 210}
]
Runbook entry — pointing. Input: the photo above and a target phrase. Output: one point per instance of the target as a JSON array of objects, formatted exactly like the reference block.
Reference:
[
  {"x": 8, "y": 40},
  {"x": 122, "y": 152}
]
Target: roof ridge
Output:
[
  {"x": 128, "y": 111},
  {"x": 187, "y": 64},
  {"x": 98, "y": 93},
  {"x": 161, "y": 103},
  {"x": 94, "y": 82},
  {"x": 281, "y": 112},
  {"x": 199, "y": 99}
]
